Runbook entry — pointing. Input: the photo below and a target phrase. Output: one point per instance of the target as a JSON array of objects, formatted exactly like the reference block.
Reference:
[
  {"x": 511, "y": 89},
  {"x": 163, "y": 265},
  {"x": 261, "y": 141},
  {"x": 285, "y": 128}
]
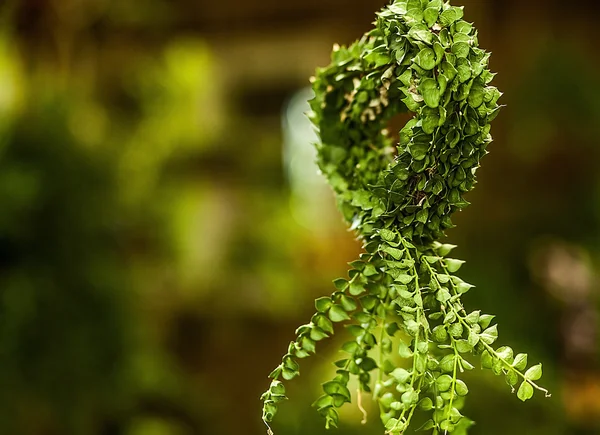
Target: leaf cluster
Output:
[{"x": 411, "y": 336}]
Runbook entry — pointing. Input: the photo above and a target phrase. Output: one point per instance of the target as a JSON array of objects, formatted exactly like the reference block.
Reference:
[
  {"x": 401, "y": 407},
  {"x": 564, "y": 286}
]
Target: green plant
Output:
[{"x": 402, "y": 297}]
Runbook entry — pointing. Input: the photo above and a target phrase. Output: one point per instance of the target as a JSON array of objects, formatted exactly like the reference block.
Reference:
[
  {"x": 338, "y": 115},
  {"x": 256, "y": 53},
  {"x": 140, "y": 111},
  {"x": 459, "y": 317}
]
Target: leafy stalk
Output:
[{"x": 421, "y": 57}]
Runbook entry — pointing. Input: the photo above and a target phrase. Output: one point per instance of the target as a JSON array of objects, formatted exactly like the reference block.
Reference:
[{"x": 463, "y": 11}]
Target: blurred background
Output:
[{"x": 163, "y": 228}]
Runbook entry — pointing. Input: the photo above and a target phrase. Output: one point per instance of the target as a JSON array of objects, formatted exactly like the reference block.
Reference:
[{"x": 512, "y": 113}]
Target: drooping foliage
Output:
[{"x": 402, "y": 300}]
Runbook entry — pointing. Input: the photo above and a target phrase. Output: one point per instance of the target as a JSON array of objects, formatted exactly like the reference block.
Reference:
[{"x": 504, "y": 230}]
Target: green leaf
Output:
[
  {"x": 525, "y": 391},
  {"x": 276, "y": 372},
  {"x": 520, "y": 361},
  {"x": 357, "y": 265},
  {"x": 426, "y": 404},
  {"x": 394, "y": 252},
  {"x": 341, "y": 284},
  {"x": 506, "y": 353},
  {"x": 288, "y": 374},
  {"x": 453, "y": 265},
  {"x": 322, "y": 402},
  {"x": 299, "y": 352},
  {"x": 485, "y": 320},
  {"x": 461, "y": 388},
  {"x": 443, "y": 295},
  {"x": 443, "y": 278},
  {"x": 324, "y": 323},
  {"x": 378, "y": 57},
  {"x": 391, "y": 328},
  {"x": 386, "y": 347},
  {"x": 447, "y": 363},
  {"x": 463, "y": 72},
  {"x": 317, "y": 334},
  {"x": 397, "y": 406},
  {"x": 391, "y": 423},
  {"x": 463, "y": 27},
  {"x": 473, "y": 338},
  {"x": 414, "y": 10},
  {"x": 369, "y": 270},
  {"x": 426, "y": 59},
  {"x": 362, "y": 317},
  {"x": 464, "y": 287},
  {"x": 473, "y": 317},
  {"x": 431, "y": 259},
  {"x": 512, "y": 378},
  {"x": 450, "y": 317},
  {"x": 368, "y": 364},
  {"x": 466, "y": 364},
  {"x": 429, "y": 424},
  {"x": 401, "y": 375},
  {"x": 290, "y": 364},
  {"x": 411, "y": 326},
  {"x": 406, "y": 77},
  {"x": 351, "y": 347},
  {"x": 323, "y": 304},
  {"x": 489, "y": 335},
  {"x": 448, "y": 70},
  {"x": 349, "y": 304},
  {"x": 338, "y": 314},
  {"x": 411, "y": 104},
  {"x": 335, "y": 388},
  {"x": 475, "y": 98},
  {"x": 355, "y": 330},
  {"x": 443, "y": 382},
  {"x": 430, "y": 16},
  {"x": 461, "y": 49},
  {"x": 455, "y": 330},
  {"x": 430, "y": 91},
  {"x": 422, "y": 215},
  {"x": 497, "y": 366},
  {"x": 461, "y": 37},
  {"x": 369, "y": 302},
  {"x": 440, "y": 335},
  {"x": 464, "y": 346},
  {"x": 420, "y": 32},
  {"x": 404, "y": 351},
  {"x": 451, "y": 15},
  {"x": 277, "y": 387},
  {"x": 403, "y": 292},
  {"x": 356, "y": 288},
  {"x": 534, "y": 372},
  {"x": 430, "y": 120},
  {"x": 444, "y": 249},
  {"x": 269, "y": 411},
  {"x": 307, "y": 344},
  {"x": 387, "y": 235},
  {"x": 447, "y": 426},
  {"x": 404, "y": 278},
  {"x": 410, "y": 397},
  {"x": 418, "y": 299},
  {"x": 331, "y": 418},
  {"x": 303, "y": 329},
  {"x": 439, "y": 55},
  {"x": 362, "y": 199},
  {"x": 486, "y": 360},
  {"x": 418, "y": 150}
]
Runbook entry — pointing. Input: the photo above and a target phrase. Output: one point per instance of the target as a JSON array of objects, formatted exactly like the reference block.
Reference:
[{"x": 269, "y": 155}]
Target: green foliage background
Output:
[{"x": 159, "y": 244}]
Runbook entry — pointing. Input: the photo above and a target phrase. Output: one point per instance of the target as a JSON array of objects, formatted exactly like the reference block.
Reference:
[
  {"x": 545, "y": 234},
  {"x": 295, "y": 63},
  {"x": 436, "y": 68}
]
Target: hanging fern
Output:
[{"x": 412, "y": 337}]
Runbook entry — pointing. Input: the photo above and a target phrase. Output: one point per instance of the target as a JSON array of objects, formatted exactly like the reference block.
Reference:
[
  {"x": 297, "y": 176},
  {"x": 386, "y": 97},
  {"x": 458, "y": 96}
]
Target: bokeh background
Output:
[{"x": 163, "y": 229}]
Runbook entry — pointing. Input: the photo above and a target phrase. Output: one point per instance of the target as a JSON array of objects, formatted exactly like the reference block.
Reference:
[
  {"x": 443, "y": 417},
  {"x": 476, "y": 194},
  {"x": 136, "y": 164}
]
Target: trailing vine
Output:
[{"x": 402, "y": 299}]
